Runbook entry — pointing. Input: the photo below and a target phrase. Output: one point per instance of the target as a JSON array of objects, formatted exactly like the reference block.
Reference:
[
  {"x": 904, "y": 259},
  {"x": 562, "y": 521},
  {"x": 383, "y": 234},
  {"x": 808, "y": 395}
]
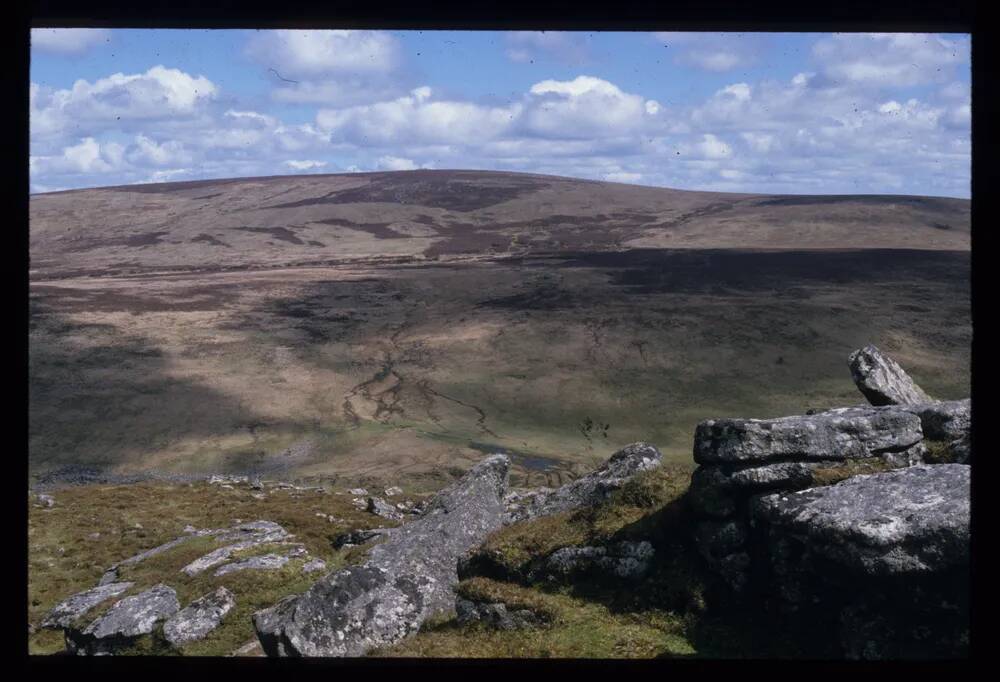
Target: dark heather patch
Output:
[
  {"x": 935, "y": 203},
  {"x": 379, "y": 230},
  {"x": 440, "y": 189},
  {"x": 941, "y": 226},
  {"x": 315, "y": 243},
  {"x": 279, "y": 233},
  {"x": 132, "y": 241},
  {"x": 207, "y": 196},
  {"x": 209, "y": 239}
]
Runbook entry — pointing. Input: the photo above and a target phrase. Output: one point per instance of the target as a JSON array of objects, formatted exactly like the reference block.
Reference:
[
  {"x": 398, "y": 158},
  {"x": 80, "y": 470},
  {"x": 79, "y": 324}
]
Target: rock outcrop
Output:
[
  {"x": 126, "y": 621},
  {"x": 808, "y": 510},
  {"x": 882, "y": 380},
  {"x": 407, "y": 578},
  {"x": 69, "y": 610},
  {"x": 199, "y": 617},
  {"x": 889, "y": 552},
  {"x": 587, "y": 490},
  {"x": 625, "y": 560}
]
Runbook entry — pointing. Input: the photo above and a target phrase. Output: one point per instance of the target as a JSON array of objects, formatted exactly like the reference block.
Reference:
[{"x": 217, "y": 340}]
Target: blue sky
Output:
[{"x": 751, "y": 112}]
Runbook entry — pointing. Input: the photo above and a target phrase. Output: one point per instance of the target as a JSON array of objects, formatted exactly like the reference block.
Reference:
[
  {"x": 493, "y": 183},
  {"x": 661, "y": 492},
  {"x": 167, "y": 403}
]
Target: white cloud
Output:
[
  {"x": 623, "y": 176},
  {"x": 395, "y": 163},
  {"x": 158, "y": 94},
  {"x": 68, "y": 40},
  {"x": 305, "y": 165},
  {"x": 890, "y": 59},
  {"x": 86, "y": 157},
  {"x": 311, "y": 53}
]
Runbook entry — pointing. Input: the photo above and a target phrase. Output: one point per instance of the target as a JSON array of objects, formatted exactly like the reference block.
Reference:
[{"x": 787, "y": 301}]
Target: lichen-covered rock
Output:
[
  {"x": 882, "y": 380},
  {"x": 945, "y": 419},
  {"x": 246, "y": 535},
  {"x": 199, "y": 617},
  {"x": 404, "y": 580},
  {"x": 905, "y": 521},
  {"x": 587, "y": 490},
  {"x": 495, "y": 615},
  {"x": 844, "y": 433},
  {"x": 264, "y": 562},
  {"x": 67, "y": 611},
  {"x": 624, "y": 560},
  {"x": 380, "y": 507},
  {"x": 127, "y": 620}
]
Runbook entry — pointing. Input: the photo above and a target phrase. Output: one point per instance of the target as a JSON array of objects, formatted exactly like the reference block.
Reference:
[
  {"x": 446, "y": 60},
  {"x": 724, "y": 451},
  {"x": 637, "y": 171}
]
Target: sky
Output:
[{"x": 780, "y": 113}]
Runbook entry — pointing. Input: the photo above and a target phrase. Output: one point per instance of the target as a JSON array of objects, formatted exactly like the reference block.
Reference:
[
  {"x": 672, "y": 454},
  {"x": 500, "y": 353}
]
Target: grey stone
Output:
[
  {"x": 67, "y": 611},
  {"x": 912, "y": 520},
  {"x": 358, "y": 537},
  {"x": 495, "y": 615},
  {"x": 199, "y": 617},
  {"x": 404, "y": 580},
  {"x": 358, "y": 492},
  {"x": 248, "y": 535},
  {"x": 843, "y": 433},
  {"x": 314, "y": 565},
  {"x": 264, "y": 562},
  {"x": 46, "y": 500},
  {"x": 380, "y": 507},
  {"x": 944, "y": 420},
  {"x": 716, "y": 540},
  {"x": 127, "y": 620},
  {"x": 587, "y": 490},
  {"x": 624, "y": 560},
  {"x": 393, "y": 491},
  {"x": 882, "y": 380}
]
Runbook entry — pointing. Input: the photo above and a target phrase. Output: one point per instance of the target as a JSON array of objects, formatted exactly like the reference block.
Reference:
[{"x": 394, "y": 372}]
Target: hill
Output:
[{"x": 384, "y": 326}]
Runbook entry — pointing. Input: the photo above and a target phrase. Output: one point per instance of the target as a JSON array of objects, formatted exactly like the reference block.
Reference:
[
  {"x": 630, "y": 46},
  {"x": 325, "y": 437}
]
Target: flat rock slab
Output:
[
  {"x": 587, "y": 490},
  {"x": 843, "y": 433},
  {"x": 882, "y": 380},
  {"x": 199, "y": 617},
  {"x": 624, "y": 560},
  {"x": 405, "y": 580},
  {"x": 125, "y": 621},
  {"x": 266, "y": 562},
  {"x": 67, "y": 611},
  {"x": 908, "y": 521}
]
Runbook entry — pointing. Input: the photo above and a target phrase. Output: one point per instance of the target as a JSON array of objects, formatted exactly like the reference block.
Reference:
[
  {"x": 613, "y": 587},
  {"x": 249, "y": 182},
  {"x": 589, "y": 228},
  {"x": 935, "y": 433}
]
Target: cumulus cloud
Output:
[
  {"x": 890, "y": 59},
  {"x": 337, "y": 67},
  {"x": 817, "y": 131},
  {"x": 158, "y": 94},
  {"x": 68, "y": 41}
]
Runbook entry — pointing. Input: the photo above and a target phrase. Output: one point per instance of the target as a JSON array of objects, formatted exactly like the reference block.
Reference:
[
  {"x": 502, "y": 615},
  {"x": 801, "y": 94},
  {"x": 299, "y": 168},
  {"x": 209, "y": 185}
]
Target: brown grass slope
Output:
[
  {"x": 395, "y": 325},
  {"x": 318, "y": 219}
]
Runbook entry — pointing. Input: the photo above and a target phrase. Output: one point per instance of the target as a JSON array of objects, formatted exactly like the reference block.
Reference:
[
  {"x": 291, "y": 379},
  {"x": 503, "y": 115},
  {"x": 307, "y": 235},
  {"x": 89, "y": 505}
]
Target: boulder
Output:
[
  {"x": 126, "y": 621},
  {"x": 882, "y": 380},
  {"x": 495, "y": 615},
  {"x": 358, "y": 537},
  {"x": 624, "y": 560},
  {"x": 843, "y": 433},
  {"x": 404, "y": 580},
  {"x": 910, "y": 520},
  {"x": 587, "y": 490},
  {"x": 67, "y": 611},
  {"x": 393, "y": 491},
  {"x": 199, "y": 617},
  {"x": 380, "y": 507},
  {"x": 945, "y": 420}
]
